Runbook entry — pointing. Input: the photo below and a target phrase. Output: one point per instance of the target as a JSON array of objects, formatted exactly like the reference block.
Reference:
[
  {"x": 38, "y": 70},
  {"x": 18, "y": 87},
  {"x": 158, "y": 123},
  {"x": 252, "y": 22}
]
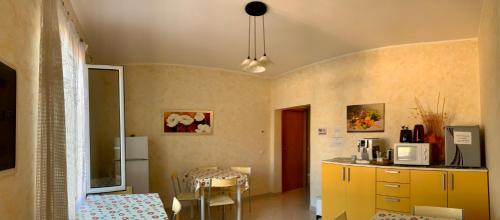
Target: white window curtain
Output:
[
  {"x": 61, "y": 156},
  {"x": 75, "y": 102}
]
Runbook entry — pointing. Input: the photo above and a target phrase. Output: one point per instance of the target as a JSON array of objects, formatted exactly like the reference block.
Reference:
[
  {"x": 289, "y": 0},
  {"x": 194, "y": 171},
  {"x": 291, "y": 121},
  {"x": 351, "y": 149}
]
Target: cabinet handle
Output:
[
  {"x": 392, "y": 185},
  {"x": 392, "y": 200},
  {"x": 343, "y": 173},
  {"x": 348, "y": 174},
  {"x": 443, "y": 181},
  {"x": 452, "y": 182},
  {"x": 392, "y": 171}
]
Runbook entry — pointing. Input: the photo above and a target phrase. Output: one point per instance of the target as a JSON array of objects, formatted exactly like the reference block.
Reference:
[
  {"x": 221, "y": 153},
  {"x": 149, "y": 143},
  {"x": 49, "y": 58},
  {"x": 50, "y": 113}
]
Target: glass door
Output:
[{"x": 106, "y": 150}]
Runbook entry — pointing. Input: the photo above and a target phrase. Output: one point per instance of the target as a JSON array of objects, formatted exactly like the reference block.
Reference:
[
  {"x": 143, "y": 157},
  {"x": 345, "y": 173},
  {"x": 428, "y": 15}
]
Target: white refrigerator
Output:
[{"x": 137, "y": 164}]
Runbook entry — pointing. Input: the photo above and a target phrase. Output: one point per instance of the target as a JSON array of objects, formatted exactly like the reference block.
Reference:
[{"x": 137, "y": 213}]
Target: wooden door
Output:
[
  {"x": 428, "y": 188},
  {"x": 360, "y": 192},
  {"x": 334, "y": 198},
  {"x": 294, "y": 125},
  {"x": 469, "y": 191}
]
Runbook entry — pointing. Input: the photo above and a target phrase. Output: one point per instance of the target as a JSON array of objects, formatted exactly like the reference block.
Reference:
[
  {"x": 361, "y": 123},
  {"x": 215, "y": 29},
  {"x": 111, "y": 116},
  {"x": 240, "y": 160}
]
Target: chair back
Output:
[
  {"x": 220, "y": 183},
  {"x": 342, "y": 216},
  {"x": 244, "y": 170},
  {"x": 439, "y": 212},
  {"x": 175, "y": 183},
  {"x": 176, "y": 209}
]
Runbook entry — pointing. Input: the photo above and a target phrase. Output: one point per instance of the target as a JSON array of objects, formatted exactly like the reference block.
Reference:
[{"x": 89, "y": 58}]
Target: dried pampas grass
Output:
[{"x": 434, "y": 121}]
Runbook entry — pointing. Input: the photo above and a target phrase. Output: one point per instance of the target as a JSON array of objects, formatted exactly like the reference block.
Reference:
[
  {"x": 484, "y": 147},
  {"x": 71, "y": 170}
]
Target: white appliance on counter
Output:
[
  {"x": 412, "y": 153},
  {"x": 137, "y": 164}
]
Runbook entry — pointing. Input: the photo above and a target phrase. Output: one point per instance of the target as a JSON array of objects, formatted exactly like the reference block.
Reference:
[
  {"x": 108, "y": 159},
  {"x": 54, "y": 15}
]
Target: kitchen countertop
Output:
[{"x": 347, "y": 161}]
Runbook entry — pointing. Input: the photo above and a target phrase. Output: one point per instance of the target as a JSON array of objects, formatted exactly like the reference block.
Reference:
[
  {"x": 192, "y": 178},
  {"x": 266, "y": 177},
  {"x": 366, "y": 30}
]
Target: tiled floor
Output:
[{"x": 292, "y": 205}]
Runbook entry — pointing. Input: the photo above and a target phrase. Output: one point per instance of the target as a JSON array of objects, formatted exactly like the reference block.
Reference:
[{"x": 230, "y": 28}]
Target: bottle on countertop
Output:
[{"x": 389, "y": 154}]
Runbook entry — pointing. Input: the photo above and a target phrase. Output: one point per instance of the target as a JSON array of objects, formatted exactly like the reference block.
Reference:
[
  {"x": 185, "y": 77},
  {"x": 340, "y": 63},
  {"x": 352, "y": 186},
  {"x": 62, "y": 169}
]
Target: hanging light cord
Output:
[
  {"x": 255, "y": 37},
  {"x": 264, "y": 34},
  {"x": 249, "y": 28}
]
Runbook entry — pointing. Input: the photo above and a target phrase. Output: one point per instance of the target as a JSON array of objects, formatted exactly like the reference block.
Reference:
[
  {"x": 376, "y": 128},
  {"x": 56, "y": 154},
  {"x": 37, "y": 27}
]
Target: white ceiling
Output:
[{"x": 213, "y": 33}]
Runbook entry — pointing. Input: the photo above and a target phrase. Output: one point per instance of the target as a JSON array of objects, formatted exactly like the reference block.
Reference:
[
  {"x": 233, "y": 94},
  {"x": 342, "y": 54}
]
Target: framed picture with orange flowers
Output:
[
  {"x": 366, "y": 118},
  {"x": 194, "y": 122}
]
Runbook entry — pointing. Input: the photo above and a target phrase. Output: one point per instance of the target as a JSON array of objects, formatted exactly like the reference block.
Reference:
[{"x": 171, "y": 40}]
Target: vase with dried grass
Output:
[{"x": 434, "y": 123}]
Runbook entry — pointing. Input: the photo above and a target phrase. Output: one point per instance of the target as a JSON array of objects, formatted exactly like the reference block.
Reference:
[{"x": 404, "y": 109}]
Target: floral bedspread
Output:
[
  {"x": 124, "y": 207},
  {"x": 395, "y": 216}
]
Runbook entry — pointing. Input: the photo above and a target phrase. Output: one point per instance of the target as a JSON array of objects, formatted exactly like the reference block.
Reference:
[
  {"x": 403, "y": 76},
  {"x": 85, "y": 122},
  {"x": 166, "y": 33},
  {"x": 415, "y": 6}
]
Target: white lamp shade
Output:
[
  {"x": 253, "y": 63},
  {"x": 246, "y": 62},
  {"x": 258, "y": 68},
  {"x": 264, "y": 60}
]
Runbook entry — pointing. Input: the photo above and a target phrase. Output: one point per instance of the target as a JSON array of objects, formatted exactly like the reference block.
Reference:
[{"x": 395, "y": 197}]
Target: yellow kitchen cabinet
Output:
[
  {"x": 392, "y": 175},
  {"x": 428, "y": 188},
  {"x": 349, "y": 189},
  {"x": 360, "y": 192},
  {"x": 401, "y": 190},
  {"x": 393, "y": 204},
  {"x": 333, "y": 185},
  {"x": 469, "y": 191}
]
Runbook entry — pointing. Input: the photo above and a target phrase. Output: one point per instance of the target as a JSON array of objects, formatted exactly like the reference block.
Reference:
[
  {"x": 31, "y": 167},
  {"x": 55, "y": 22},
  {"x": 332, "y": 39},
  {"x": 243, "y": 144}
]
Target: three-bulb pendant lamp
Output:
[{"x": 256, "y": 9}]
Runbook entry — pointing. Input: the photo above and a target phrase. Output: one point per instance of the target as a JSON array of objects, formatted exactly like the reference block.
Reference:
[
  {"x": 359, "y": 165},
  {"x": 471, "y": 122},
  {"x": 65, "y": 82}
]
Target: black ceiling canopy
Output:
[{"x": 256, "y": 8}]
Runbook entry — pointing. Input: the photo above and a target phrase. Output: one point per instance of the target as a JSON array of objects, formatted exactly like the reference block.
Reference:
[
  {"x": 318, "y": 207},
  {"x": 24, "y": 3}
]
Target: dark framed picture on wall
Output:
[
  {"x": 366, "y": 118},
  {"x": 7, "y": 117}
]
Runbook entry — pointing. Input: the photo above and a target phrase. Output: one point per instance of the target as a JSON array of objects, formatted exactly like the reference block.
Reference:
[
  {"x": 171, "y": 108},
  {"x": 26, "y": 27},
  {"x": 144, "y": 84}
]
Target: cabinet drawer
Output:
[
  {"x": 393, "y": 203},
  {"x": 393, "y": 175},
  {"x": 393, "y": 189}
]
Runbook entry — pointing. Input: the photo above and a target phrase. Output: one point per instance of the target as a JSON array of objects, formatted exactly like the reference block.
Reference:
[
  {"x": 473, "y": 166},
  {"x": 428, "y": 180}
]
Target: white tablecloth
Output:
[
  {"x": 123, "y": 207},
  {"x": 197, "y": 178}
]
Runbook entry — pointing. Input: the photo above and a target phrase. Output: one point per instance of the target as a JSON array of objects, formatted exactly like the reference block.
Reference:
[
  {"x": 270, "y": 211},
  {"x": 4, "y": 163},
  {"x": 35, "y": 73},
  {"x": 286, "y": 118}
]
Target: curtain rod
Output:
[{"x": 72, "y": 17}]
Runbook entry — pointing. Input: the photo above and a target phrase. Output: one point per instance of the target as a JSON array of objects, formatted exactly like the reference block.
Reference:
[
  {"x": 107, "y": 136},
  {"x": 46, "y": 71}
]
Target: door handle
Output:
[
  {"x": 392, "y": 185},
  {"x": 392, "y": 200},
  {"x": 348, "y": 174},
  {"x": 452, "y": 182},
  {"x": 443, "y": 181},
  {"x": 343, "y": 173},
  {"x": 392, "y": 171}
]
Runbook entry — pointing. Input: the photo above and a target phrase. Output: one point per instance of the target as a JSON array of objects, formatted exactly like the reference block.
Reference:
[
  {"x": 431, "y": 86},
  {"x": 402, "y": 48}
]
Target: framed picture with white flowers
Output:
[{"x": 188, "y": 122}]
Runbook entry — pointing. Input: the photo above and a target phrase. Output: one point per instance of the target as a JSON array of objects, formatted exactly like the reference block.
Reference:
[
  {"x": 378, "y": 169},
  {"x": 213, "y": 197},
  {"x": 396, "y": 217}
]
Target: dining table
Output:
[
  {"x": 124, "y": 206},
  {"x": 384, "y": 215},
  {"x": 199, "y": 178}
]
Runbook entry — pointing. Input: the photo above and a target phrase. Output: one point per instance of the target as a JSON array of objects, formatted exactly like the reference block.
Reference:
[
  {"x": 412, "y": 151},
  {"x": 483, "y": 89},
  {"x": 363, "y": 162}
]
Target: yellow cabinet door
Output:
[
  {"x": 334, "y": 200},
  {"x": 428, "y": 188},
  {"x": 469, "y": 191},
  {"x": 361, "y": 192}
]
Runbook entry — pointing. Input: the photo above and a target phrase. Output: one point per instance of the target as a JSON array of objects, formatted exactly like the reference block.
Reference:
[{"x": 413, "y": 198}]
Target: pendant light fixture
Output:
[
  {"x": 264, "y": 60},
  {"x": 255, "y": 9},
  {"x": 248, "y": 60}
]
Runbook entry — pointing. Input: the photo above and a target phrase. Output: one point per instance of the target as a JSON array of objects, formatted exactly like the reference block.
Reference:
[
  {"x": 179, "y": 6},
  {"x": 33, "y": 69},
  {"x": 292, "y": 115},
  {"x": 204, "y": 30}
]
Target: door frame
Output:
[{"x": 276, "y": 153}]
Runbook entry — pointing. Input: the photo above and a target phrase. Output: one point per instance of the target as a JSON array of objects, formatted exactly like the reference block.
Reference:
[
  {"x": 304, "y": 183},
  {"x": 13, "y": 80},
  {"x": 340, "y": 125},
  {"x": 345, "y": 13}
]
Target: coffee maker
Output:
[{"x": 368, "y": 148}]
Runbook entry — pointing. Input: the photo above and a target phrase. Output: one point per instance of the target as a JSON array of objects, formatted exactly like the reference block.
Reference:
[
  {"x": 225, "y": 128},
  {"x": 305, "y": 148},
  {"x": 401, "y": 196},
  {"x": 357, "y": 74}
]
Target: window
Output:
[{"x": 106, "y": 138}]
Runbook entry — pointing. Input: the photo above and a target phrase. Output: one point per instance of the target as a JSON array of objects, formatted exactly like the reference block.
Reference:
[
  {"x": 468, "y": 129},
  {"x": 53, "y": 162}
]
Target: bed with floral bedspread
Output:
[{"x": 124, "y": 207}]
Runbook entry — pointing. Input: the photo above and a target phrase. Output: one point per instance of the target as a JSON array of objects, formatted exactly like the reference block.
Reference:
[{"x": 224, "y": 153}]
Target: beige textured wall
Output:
[
  {"x": 241, "y": 120},
  {"x": 489, "y": 68},
  {"x": 394, "y": 76},
  {"x": 19, "y": 48}
]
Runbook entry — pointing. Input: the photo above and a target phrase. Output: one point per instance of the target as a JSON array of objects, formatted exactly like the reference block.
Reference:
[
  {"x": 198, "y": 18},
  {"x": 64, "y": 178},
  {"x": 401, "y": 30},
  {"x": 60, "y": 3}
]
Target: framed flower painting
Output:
[
  {"x": 366, "y": 118},
  {"x": 195, "y": 122}
]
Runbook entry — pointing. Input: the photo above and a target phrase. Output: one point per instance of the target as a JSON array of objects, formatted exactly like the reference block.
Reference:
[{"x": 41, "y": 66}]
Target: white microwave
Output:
[{"x": 412, "y": 153}]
